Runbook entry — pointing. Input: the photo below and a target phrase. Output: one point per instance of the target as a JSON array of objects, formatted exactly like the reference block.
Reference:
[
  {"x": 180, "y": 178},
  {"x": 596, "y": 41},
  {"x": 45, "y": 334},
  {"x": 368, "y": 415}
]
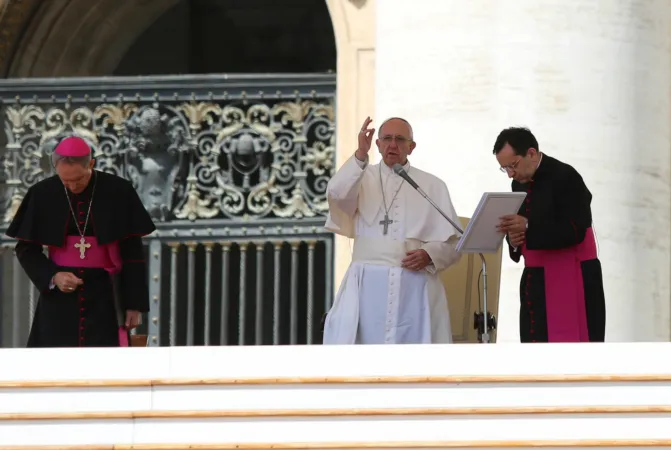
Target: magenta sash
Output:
[
  {"x": 564, "y": 289},
  {"x": 97, "y": 256}
]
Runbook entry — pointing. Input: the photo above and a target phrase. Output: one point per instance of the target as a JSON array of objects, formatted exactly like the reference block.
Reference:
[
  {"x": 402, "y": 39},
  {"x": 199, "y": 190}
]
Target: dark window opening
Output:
[{"x": 235, "y": 36}]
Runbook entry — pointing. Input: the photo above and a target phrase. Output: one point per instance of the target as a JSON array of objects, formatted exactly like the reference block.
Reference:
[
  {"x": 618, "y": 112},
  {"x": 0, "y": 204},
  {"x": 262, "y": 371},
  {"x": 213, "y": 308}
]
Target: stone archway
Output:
[
  {"x": 81, "y": 37},
  {"x": 354, "y": 27},
  {"x": 62, "y": 38}
]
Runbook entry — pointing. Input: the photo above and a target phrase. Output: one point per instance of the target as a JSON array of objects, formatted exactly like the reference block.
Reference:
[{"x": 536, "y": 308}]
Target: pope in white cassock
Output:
[{"x": 391, "y": 293}]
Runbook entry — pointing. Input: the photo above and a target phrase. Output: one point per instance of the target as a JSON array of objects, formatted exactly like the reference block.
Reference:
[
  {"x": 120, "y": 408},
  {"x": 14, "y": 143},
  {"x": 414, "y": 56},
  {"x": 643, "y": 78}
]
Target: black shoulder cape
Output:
[
  {"x": 557, "y": 207},
  {"x": 116, "y": 213}
]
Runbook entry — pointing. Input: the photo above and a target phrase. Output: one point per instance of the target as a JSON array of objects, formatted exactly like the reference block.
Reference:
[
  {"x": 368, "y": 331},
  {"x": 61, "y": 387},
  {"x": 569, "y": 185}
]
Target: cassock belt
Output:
[
  {"x": 564, "y": 288},
  {"x": 106, "y": 257},
  {"x": 381, "y": 251},
  {"x": 97, "y": 256}
]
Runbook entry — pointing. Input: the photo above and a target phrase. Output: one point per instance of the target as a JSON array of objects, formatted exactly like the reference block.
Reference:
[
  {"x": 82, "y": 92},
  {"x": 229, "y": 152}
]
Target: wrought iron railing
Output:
[{"x": 232, "y": 169}]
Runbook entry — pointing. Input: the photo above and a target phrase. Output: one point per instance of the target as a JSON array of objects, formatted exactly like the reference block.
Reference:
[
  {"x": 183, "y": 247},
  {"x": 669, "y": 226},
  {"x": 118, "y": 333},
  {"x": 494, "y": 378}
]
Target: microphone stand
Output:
[{"x": 482, "y": 319}]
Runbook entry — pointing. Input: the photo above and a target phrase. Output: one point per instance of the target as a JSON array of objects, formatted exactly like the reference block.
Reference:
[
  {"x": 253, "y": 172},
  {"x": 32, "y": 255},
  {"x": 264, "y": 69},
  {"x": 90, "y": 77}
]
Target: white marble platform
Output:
[{"x": 469, "y": 396}]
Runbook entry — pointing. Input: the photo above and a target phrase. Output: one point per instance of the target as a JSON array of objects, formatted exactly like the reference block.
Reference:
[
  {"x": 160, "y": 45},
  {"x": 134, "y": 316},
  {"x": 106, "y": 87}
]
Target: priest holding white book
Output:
[{"x": 391, "y": 293}]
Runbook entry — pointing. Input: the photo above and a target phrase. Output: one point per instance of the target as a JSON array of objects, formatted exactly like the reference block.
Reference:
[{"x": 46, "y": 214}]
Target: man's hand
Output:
[
  {"x": 67, "y": 282},
  {"x": 512, "y": 223},
  {"x": 365, "y": 140},
  {"x": 416, "y": 260},
  {"x": 517, "y": 239},
  {"x": 133, "y": 319}
]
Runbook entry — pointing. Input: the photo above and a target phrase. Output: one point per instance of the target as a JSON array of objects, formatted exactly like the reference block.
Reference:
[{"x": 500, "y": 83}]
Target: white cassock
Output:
[{"x": 378, "y": 301}]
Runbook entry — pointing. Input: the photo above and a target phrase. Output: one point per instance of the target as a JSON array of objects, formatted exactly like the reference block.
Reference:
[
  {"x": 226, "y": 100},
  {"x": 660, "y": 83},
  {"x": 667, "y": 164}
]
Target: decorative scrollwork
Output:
[{"x": 239, "y": 160}]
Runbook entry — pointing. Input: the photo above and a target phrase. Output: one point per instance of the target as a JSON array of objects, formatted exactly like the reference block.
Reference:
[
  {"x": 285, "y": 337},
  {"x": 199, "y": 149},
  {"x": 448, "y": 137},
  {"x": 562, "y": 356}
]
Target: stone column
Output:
[
  {"x": 592, "y": 81},
  {"x": 354, "y": 27}
]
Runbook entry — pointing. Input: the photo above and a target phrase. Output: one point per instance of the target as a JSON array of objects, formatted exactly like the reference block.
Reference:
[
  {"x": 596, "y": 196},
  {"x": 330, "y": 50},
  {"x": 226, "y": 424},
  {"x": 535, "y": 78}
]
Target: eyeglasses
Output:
[
  {"x": 401, "y": 140},
  {"x": 511, "y": 167}
]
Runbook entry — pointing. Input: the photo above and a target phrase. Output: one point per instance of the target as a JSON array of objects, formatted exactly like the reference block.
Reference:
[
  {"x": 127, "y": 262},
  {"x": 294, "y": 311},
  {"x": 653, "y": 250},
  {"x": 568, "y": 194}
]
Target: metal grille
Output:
[{"x": 234, "y": 173}]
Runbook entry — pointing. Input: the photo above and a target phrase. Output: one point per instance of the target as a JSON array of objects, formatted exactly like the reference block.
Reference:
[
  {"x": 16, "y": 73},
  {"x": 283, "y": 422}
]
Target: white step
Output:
[{"x": 580, "y": 395}]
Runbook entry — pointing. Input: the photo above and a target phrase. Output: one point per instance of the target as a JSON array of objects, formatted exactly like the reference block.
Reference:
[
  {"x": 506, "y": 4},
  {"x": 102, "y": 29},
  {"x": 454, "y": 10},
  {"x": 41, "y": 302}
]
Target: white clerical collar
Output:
[{"x": 386, "y": 169}]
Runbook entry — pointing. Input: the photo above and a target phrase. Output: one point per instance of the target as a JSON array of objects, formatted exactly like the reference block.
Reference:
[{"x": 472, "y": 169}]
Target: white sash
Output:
[{"x": 380, "y": 251}]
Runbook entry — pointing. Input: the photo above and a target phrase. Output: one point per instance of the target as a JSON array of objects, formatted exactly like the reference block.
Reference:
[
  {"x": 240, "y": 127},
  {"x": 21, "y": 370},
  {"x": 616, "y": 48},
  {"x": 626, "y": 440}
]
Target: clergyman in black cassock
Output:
[
  {"x": 561, "y": 290},
  {"x": 92, "y": 282}
]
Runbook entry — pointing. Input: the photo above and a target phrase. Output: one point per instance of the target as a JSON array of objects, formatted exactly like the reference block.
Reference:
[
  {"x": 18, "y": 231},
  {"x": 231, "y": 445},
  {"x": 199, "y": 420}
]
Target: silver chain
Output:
[
  {"x": 88, "y": 213},
  {"x": 386, "y": 210}
]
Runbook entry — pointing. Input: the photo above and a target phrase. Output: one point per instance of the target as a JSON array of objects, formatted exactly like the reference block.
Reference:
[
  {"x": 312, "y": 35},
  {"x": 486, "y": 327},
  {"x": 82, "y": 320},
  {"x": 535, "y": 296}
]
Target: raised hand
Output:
[{"x": 365, "y": 140}]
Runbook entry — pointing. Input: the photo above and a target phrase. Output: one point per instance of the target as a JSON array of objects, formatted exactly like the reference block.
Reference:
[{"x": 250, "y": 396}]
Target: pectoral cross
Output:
[
  {"x": 385, "y": 223},
  {"x": 82, "y": 246}
]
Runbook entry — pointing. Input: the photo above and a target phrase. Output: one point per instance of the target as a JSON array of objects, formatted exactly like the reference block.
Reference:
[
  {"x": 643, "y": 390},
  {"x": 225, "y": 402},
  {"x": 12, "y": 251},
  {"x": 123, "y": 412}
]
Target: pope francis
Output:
[{"x": 391, "y": 293}]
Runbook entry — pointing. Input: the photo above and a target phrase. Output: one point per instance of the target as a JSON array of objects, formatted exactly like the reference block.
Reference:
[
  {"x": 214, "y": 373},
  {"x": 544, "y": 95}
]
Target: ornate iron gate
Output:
[{"x": 234, "y": 171}]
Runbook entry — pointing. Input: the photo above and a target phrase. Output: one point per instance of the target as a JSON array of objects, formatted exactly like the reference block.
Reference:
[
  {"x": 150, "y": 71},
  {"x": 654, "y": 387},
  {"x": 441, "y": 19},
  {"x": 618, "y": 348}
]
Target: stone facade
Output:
[{"x": 590, "y": 78}]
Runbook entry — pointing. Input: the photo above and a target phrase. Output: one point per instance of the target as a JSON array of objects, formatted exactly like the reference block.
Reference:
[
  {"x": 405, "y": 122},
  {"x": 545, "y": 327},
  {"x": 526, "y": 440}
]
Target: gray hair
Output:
[
  {"x": 81, "y": 160},
  {"x": 379, "y": 131}
]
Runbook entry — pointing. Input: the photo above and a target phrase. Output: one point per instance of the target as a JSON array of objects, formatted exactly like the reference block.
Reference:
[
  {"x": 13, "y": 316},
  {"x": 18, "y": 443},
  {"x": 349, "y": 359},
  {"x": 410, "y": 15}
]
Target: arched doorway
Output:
[
  {"x": 86, "y": 38},
  {"x": 106, "y": 53}
]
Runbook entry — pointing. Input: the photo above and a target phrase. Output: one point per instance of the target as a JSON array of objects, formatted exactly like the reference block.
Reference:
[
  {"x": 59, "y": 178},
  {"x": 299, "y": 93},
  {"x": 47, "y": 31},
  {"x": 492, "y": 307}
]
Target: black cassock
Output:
[
  {"x": 559, "y": 217},
  {"x": 86, "y": 317}
]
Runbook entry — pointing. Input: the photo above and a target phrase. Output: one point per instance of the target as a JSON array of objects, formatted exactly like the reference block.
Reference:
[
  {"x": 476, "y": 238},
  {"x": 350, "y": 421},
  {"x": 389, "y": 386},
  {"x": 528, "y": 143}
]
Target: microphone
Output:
[{"x": 401, "y": 172}]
